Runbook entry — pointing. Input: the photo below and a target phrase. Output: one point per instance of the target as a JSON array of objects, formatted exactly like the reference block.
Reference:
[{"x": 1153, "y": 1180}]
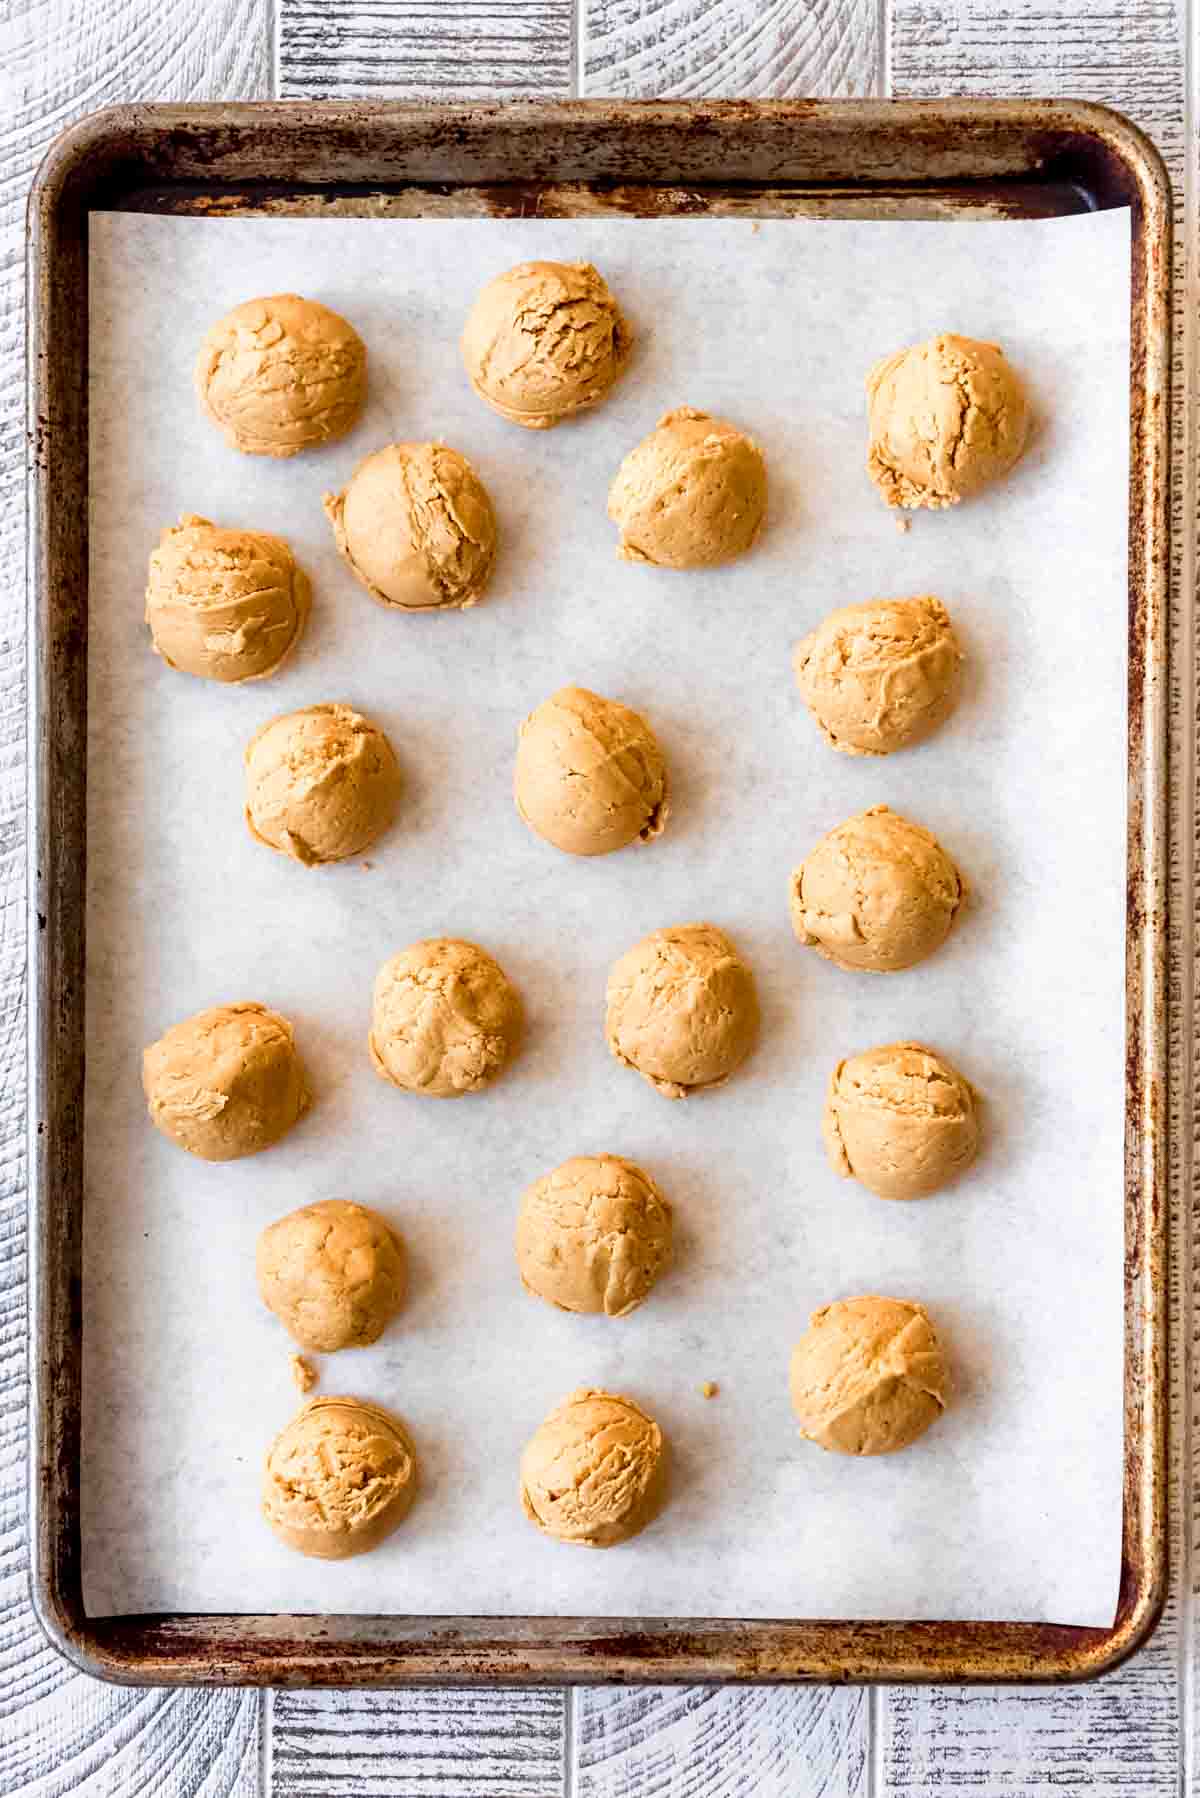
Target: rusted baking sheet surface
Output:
[{"x": 943, "y": 159}]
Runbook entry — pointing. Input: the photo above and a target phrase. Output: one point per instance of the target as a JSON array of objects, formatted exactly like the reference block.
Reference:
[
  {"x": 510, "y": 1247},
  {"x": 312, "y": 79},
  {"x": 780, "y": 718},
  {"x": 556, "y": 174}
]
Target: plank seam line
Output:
[
  {"x": 273, "y": 26},
  {"x": 266, "y": 1735},
  {"x": 578, "y": 62},
  {"x": 883, "y": 50},
  {"x": 570, "y": 1701},
  {"x": 874, "y": 1754}
]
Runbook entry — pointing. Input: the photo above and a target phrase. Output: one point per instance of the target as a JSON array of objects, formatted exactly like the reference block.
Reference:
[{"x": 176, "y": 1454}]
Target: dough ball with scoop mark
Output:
[
  {"x": 590, "y": 776},
  {"x": 899, "y": 1120},
  {"x": 881, "y": 675},
  {"x": 446, "y": 1019},
  {"x": 321, "y": 784},
  {"x": 333, "y": 1274},
  {"x": 339, "y": 1478},
  {"x": 544, "y": 341},
  {"x": 593, "y": 1472},
  {"x": 417, "y": 527},
  {"x": 225, "y": 1083},
  {"x": 946, "y": 418},
  {"x": 594, "y": 1235},
  {"x": 878, "y": 893},
  {"x": 682, "y": 1009},
  {"x": 228, "y": 605},
  {"x": 281, "y": 375},
  {"x": 692, "y": 494},
  {"x": 868, "y": 1376}
]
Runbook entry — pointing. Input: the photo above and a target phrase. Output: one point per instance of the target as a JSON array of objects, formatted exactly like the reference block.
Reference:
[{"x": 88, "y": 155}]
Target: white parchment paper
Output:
[{"x": 1010, "y": 1507}]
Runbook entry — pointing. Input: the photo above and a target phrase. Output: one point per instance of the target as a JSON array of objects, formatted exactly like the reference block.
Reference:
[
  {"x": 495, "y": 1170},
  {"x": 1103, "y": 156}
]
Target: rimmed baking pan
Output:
[{"x": 954, "y": 159}]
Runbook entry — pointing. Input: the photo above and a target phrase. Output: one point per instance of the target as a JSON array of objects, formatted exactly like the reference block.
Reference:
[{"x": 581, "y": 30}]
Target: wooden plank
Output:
[
  {"x": 481, "y": 49},
  {"x": 59, "y": 1732},
  {"x": 705, "y": 1742},
  {"x": 1125, "y": 1734},
  {"x": 729, "y": 49},
  {"x": 432, "y": 1744}
]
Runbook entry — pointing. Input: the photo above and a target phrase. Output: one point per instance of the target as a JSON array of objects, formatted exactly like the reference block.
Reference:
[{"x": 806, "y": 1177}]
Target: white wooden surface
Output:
[{"x": 1132, "y": 1734}]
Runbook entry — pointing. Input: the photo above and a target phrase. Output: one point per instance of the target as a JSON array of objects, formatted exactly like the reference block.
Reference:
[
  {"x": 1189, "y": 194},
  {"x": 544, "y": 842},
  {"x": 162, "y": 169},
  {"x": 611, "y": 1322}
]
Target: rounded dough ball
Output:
[
  {"x": 339, "y": 1478},
  {"x": 868, "y": 1376},
  {"x": 321, "y": 784},
  {"x": 225, "y": 1083},
  {"x": 593, "y": 1236},
  {"x": 417, "y": 527},
  {"x": 543, "y": 341},
  {"x": 946, "y": 417},
  {"x": 881, "y": 675},
  {"x": 693, "y": 493},
  {"x": 228, "y": 605},
  {"x": 878, "y": 893},
  {"x": 282, "y": 374},
  {"x": 900, "y": 1120},
  {"x": 682, "y": 1009},
  {"x": 593, "y": 1472},
  {"x": 446, "y": 1019},
  {"x": 333, "y": 1274},
  {"x": 590, "y": 775}
]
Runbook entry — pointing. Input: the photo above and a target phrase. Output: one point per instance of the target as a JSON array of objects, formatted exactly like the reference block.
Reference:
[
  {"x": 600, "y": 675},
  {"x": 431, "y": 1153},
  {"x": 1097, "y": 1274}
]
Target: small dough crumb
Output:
[
  {"x": 710, "y": 1389},
  {"x": 303, "y": 1372}
]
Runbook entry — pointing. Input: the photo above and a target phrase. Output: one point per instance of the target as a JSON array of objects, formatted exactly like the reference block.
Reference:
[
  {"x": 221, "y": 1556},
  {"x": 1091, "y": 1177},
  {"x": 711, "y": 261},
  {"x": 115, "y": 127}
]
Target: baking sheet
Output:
[{"x": 1010, "y": 1508}]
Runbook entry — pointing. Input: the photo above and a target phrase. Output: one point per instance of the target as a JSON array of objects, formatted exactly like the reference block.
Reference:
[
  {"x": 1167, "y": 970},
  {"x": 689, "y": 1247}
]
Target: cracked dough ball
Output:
[
  {"x": 590, "y": 776},
  {"x": 682, "y": 1009},
  {"x": 339, "y": 1478},
  {"x": 321, "y": 784},
  {"x": 593, "y": 1472},
  {"x": 880, "y": 675},
  {"x": 417, "y": 527},
  {"x": 281, "y": 375},
  {"x": 946, "y": 417},
  {"x": 693, "y": 493},
  {"x": 545, "y": 340},
  {"x": 225, "y": 604},
  {"x": 446, "y": 1019},
  {"x": 869, "y": 1376},
  {"x": 225, "y": 1083},
  {"x": 878, "y": 893},
  {"x": 333, "y": 1274},
  {"x": 593, "y": 1236},
  {"x": 899, "y": 1120}
]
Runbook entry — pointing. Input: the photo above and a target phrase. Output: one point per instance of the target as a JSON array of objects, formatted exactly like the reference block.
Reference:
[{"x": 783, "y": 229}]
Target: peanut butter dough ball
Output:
[
  {"x": 333, "y": 1274},
  {"x": 225, "y": 1083},
  {"x": 446, "y": 1018},
  {"x": 229, "y": 605},
  {"x": 946, "y": 418},
  {"x": 693, "y": 493},
  {"x": 339, "y": 1478},
  {"x": 869, "y": 1376},
  {"x": 682, "y": 1009},
  {"x": 417, "y": 527},
  {"x": 590, "y": 775},
  {"x": 899, "y": 1120},
  {"x": 321, "y": 784},
  {"x": 881, "y": 675},
  {"x": 878, "y": 893},
  {"x": 544, "y": 341},
  {"x": 593, "y": 1472},
  {"x": 281, "y": 375},
  {"x": 593, "y": 1236}
]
